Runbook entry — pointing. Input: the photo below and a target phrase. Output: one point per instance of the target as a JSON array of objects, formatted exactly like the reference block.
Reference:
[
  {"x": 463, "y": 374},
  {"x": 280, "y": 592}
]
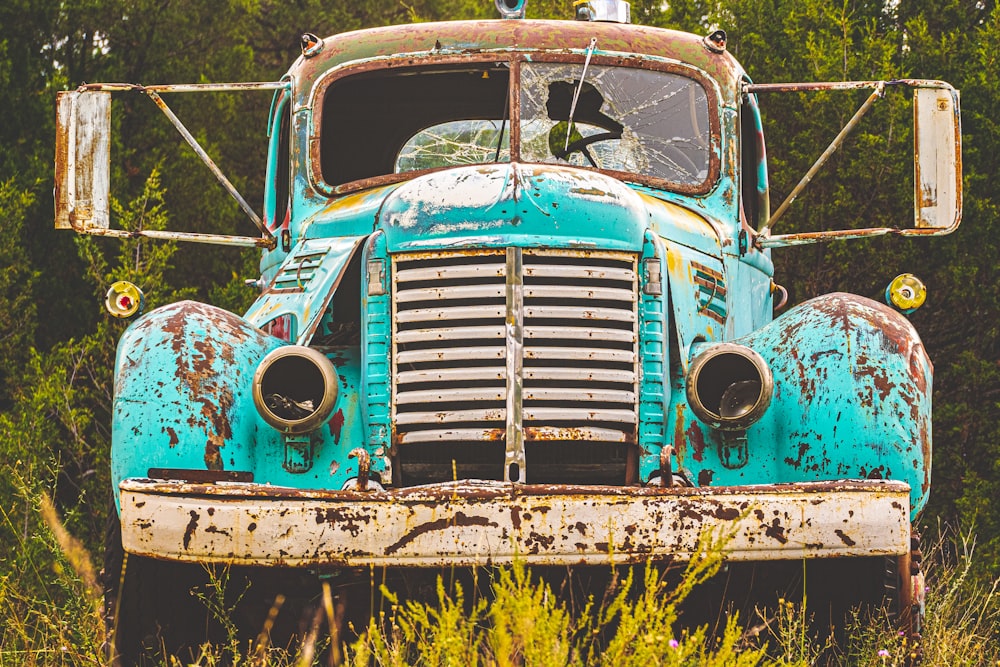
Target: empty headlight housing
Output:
[
  {"x": 729, "y": 386},
  {"x": 295, "y": 389}
]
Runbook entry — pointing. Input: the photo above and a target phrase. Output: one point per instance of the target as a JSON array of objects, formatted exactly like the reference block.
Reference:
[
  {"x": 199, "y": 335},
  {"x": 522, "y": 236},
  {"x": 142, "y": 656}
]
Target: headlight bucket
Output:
[
  {"x": 295, "y": 389},
  {"x": 729, "y": 386}
]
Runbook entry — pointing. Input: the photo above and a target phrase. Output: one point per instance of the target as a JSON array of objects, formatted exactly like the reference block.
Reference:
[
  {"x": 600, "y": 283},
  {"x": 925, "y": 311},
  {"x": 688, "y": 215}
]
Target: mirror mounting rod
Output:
[
  {"x": 937, "y": 160},
  {"x": 153, "y": 93},
  {"x": 827, "y": 154}
]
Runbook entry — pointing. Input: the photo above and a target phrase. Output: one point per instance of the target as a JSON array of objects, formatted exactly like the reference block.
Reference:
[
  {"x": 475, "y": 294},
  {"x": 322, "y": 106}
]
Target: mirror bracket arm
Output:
[{"x": 837, "y": 142}]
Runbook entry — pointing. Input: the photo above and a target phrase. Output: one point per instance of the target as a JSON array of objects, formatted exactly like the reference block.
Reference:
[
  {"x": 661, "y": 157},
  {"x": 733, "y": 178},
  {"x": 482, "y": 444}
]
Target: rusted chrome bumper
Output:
[{"x": 477, "y": 523}]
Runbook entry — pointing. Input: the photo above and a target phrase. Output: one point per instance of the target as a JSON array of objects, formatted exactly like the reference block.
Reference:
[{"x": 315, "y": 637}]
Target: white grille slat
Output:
[
  {"x": 578, "y": 314},
  {"x": 579, "y": 354},
  {"x": 450, "y": 354},
  {"x": 579, "y": 375},
  {"x": 576, "y": 292},
  {"x": 578, "y": 273},
  {"x": 492, "y": 394},
  {"x": 576, "y": 396},
  {"x": 550, "y": 433},
  {"x": 451, "y": 416},
  {"x": 457, "y": 313},
  {"x": 456, "y": 375},
  {"x": 579, "y": 415},
  {"x": 449, "y": 333},
  {"x": 457, "y": 272},
  {"x": 579, "y": 333},
  {"x": 453, "y": 435},
  {"x": 453, "y": 292}
]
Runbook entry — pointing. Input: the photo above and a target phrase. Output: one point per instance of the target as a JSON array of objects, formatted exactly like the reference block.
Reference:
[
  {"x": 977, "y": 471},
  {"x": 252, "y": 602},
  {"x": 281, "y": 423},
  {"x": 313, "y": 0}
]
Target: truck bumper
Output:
[{"x": 481, "y": 523}]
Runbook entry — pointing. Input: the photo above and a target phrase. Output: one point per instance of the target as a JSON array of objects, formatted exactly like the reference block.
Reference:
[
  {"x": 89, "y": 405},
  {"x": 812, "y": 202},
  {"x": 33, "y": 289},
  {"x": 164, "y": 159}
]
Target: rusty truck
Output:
[{"x": 516, "y": 301}]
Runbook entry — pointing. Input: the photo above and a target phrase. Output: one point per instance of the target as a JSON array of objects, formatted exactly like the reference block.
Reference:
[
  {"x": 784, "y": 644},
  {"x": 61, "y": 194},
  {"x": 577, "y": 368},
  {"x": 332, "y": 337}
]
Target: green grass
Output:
[{"x": 50, "y": 602}]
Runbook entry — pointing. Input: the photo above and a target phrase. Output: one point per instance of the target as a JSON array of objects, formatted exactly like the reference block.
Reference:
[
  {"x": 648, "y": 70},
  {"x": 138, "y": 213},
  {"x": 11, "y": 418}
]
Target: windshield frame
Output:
[{"x": 514, "y": 60}]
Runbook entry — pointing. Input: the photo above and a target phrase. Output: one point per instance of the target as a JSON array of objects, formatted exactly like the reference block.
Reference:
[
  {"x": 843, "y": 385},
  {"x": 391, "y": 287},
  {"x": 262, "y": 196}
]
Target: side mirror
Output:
[
  {"x": 83, "y": 160},
  {"x": 937, "y": 158}
]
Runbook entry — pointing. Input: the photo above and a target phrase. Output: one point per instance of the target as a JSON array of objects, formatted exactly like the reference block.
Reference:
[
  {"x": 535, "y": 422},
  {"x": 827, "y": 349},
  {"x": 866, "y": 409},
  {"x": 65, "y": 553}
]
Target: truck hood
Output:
[
  {"x": 498, "y": 205},
  {"x": 513, "y": 204}
]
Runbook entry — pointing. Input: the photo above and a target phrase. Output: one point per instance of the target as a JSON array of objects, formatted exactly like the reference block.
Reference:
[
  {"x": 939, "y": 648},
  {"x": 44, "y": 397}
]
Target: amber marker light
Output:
[
  {"x": 906, "y": 293},
  {"x": 124, "y": 299}
]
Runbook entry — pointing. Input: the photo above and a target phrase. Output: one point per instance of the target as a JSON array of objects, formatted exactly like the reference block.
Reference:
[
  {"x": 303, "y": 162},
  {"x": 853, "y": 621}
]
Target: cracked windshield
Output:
[
  {"x": 630, "y": 120},
  {"x": 618, "y": 119}
]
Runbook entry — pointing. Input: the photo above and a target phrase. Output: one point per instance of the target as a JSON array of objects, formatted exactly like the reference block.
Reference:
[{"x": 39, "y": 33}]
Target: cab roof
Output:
[{"x": 470, "y": 37}]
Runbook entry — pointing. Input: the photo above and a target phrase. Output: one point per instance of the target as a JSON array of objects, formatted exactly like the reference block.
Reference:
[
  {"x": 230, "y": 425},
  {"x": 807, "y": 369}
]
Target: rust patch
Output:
[
  {"x": 345, "y": 520},
  {"x": 844, "y": 538},
  {"x": 536, "y": 541},
  {"x": 461, "y": 520},
  {"x": 697, "y": 441},
  {"x": 727, "y": 513},
  {"x": 680, "y": 442},
  {"x": 336, "y": 425},
  {"x": 191, "y": 527},
  {"x": 776, "y": 531},
  {"x": 925, "y": 448},
  {"x": 202, "y": 338},
  {"x": 705, "y": 477},
  {"x": 796, "y": 463},
  {"x": 173, "y": 436}
]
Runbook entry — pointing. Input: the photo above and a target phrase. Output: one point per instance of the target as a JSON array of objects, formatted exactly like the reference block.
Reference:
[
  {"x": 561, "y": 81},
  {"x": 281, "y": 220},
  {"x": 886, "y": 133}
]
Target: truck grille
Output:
[{"x": 509, "y": 356}]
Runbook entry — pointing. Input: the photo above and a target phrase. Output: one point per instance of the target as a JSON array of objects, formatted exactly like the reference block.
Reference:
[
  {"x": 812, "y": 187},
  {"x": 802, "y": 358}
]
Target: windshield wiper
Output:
[{"x": 576, "y": 93}]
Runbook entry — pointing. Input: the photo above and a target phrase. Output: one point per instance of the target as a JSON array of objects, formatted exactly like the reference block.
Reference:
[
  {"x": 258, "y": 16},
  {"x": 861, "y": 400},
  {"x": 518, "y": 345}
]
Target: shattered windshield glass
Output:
[
  {"x": 629, "y": 120},
  {"x": 456, "y": 143}
]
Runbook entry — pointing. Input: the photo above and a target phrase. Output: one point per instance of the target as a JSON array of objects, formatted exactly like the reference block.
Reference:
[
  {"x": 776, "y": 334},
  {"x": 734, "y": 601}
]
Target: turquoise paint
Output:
[
  {"x": 304, "y": 284},
  {"x": 183, "y": 401},
  {"x": 852, "y": 400},
  {"x": 654, "y": 318},
  {"x": 376, "y": 347},
  {"x": 510, "y": 204}
]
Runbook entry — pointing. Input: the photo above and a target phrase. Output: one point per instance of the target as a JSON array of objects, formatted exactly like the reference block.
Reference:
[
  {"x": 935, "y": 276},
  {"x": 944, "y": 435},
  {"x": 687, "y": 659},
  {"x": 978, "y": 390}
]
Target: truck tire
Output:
[
  {"x": 902, "y": 602},
  {"x": 150, "y": 611}
]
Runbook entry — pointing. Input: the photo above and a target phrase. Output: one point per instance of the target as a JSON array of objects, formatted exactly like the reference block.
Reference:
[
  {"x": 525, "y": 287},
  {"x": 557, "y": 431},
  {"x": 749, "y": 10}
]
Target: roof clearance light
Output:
[{"x": 614, "y": 11}]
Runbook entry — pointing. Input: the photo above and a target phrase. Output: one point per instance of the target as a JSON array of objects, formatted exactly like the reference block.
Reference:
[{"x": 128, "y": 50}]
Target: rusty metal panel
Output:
[
  {"x": 476, "y": 523},
  {"x": 83, "y": 160}
]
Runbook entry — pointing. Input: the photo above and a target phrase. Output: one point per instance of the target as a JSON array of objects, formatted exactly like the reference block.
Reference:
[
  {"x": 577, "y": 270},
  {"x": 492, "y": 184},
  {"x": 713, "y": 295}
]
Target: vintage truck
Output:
[{"x": 516, "y": 302}]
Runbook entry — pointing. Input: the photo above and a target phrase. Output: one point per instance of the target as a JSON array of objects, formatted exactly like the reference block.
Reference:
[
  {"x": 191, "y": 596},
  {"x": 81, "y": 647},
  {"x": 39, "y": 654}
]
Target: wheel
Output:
[
  {"x": 903, "y": 597},
  {"x": 150, "y": 611}
]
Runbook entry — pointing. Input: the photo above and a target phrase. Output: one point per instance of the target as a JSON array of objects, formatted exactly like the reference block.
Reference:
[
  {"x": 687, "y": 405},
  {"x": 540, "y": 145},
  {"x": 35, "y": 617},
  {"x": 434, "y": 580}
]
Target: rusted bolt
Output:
[{"x": 364, "y": 466}]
